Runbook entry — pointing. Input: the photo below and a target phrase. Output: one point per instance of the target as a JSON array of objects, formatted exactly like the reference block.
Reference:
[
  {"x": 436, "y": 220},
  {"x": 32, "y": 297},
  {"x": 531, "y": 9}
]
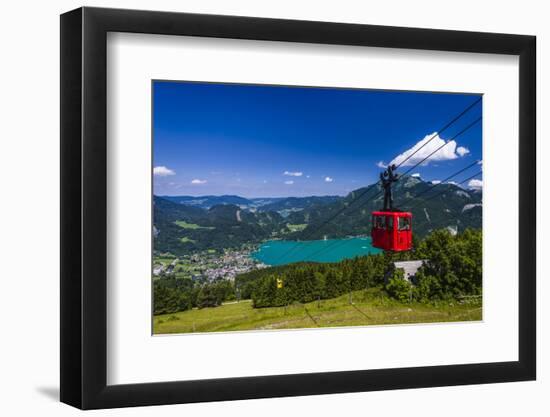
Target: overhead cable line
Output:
[
  {"x": 445, "y": 191},
  {"x": 354, "y": 200},
  {"x": 426, "y": 158},
  {"x": 328, "y": 220},
  {"x": 338, "y": 243},
  {"x": 445, "y": 144},
  {"x": 438, "y": 133},
  {"x": 446, "y": 179}
]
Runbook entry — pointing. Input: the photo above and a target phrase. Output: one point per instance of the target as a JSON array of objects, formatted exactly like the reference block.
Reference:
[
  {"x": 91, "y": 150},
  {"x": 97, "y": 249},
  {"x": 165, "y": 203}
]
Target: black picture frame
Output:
[{"x": 84, "y": 207}]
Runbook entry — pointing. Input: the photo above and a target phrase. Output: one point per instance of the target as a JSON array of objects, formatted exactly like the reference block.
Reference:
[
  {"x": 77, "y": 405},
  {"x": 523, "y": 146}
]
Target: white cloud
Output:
[
  {"x": 435, "y": 181},
  {"x": 307, "y": 176},
  {"x": 329, "y": 179},
  {"x": 461, "y": 151},
  {"x": 290, "y": 182},
  {"x": 381, "y": 164},
  {"x": 425, "y": 147},
  {"x": 475, "y": 184},
  {"x": 415, "y": 175},
  {"x": 293, "y": 174},
  {"x": 197, "y": 181},
  {"x": 455, "y": 183},
  {"x": 162, "y": 171}
]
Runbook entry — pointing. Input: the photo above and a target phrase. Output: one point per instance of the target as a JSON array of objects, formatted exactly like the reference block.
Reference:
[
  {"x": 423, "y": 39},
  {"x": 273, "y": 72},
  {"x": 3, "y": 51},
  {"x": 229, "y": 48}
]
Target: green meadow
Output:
[
  {"x": 191, "y": 226},
  {"x": 367, "y": 307},
  {"x": 296, "y": 227}
]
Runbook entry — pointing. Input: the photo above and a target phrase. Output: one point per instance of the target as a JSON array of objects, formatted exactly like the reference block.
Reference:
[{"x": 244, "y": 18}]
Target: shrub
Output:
[{"x": 398, "y": 287}]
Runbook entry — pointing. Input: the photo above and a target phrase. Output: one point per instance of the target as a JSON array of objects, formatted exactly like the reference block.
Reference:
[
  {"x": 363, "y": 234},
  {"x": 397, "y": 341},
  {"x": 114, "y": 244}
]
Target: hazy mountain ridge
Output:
[
  {"x": 282, "y": 204},
  {"x": 208, "y": 201}
]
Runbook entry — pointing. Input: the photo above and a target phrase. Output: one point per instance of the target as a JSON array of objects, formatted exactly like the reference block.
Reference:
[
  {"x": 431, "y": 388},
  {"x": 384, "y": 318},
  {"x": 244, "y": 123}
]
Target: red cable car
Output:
[{"x": 391, "y": 228}]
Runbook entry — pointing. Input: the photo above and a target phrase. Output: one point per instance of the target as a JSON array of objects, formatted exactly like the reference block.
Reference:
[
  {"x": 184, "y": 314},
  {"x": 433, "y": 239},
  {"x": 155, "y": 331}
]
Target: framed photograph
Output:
[{"x": 257, "y": 208}]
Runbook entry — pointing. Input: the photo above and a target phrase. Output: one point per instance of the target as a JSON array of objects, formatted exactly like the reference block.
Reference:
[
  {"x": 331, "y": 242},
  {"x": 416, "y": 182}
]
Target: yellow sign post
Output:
[{"x": 279, "y": 283}]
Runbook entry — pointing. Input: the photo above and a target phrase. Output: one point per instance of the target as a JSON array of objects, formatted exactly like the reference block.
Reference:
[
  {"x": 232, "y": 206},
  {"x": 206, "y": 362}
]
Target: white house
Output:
[{"x": 409, "y": 268}]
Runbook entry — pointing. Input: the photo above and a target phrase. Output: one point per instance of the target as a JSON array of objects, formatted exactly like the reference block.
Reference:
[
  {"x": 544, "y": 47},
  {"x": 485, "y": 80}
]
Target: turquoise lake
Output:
[{"x": 280, "y": 252}]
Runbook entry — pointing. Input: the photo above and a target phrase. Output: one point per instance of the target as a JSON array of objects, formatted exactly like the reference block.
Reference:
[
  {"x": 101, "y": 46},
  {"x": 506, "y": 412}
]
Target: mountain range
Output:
[
  {"x": 184, "y": 224},
  {"x": 283, "y": 205},
  {"x": 433, "y": 207}
]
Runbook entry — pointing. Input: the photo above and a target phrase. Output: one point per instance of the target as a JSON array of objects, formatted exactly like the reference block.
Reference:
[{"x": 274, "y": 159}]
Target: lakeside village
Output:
[{"x": 208, "y": 265}]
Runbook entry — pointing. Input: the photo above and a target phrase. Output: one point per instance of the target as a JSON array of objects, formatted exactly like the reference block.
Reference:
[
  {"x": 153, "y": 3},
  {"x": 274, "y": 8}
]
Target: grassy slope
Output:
[
  {"x": 368, "y": 308},
  {"x": 191, "y": 226}
]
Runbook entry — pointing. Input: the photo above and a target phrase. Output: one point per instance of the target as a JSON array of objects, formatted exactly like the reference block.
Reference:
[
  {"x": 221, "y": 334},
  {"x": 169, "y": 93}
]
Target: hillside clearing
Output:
[
  {"x": 191, "y": 226},
  {"x": 296, "y": 227}
]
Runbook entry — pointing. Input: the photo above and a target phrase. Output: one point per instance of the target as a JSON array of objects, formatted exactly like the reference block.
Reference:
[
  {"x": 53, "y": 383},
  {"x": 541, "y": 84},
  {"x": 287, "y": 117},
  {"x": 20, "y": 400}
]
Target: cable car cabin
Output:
[{"x": 392, "y": 230}]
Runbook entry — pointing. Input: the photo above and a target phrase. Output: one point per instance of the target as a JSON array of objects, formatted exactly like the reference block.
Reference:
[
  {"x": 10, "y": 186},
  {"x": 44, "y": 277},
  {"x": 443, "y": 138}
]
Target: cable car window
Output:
[
  {"x": 390, "y": 222},
  {"x": 379, "y": 222},
  {"x": 404, "y": 223}
]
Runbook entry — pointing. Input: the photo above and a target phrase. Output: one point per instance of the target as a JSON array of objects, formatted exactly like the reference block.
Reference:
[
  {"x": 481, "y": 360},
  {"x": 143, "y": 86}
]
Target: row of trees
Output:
[
  {"x": 305, "y": 282},
  {"x": 172, "y": 294},
  {"x": 452, "y": 269}
]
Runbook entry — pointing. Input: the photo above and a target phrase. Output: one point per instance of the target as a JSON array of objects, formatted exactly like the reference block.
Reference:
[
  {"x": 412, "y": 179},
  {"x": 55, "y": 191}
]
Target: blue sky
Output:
[{"x": 275, "y": 141}]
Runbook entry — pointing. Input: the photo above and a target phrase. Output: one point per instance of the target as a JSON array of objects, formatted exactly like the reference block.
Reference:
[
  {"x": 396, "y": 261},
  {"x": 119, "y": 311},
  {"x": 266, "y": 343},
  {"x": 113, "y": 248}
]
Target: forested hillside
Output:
[{"x": 181, "y": 229}]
